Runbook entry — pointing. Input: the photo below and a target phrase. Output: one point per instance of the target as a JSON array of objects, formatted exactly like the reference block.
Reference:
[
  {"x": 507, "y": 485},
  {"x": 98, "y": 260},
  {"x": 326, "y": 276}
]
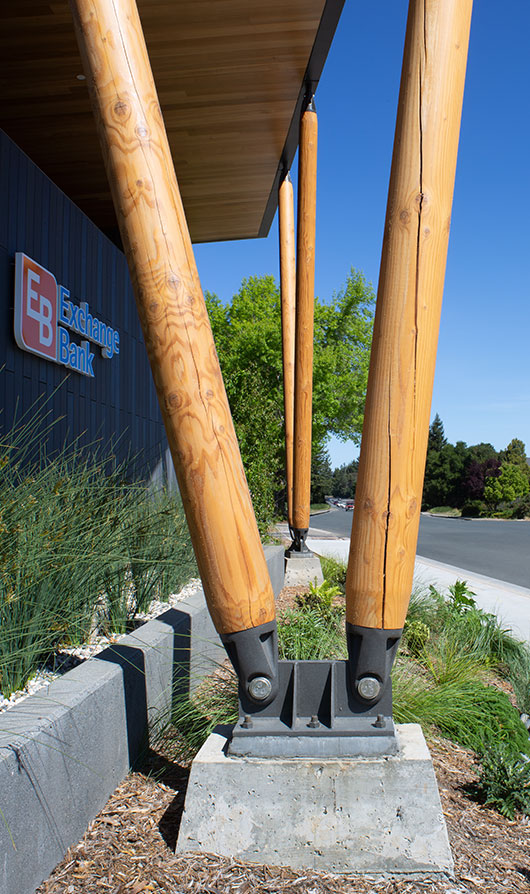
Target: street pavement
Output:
[{"x": 497, "y": 548}]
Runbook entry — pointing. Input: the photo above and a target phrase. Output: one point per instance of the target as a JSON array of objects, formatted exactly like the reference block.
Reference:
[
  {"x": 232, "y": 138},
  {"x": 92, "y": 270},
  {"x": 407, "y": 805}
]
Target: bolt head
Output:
[
  {"x": 369, "y": 688},
  {"x": 259, "y": 688}
]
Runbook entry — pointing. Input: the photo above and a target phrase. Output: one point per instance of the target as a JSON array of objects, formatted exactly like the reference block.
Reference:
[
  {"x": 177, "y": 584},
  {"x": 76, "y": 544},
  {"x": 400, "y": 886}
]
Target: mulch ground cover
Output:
[{"x": 129, "y": 847}]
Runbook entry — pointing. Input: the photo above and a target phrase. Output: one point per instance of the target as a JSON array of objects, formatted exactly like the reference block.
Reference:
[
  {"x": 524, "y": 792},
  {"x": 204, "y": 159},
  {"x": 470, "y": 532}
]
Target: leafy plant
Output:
[
  {"x": 416, "y": 635},
  {"x": 334, "y": 571},
  {"x": 320, "y": 600},
  {"x": 461, "y": 597},
  {"x": 504, "y": 781}
]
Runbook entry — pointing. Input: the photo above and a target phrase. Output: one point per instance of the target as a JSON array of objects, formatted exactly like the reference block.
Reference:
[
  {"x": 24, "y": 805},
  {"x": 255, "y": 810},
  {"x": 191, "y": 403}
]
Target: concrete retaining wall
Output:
[{"x": 64, "y": 750}]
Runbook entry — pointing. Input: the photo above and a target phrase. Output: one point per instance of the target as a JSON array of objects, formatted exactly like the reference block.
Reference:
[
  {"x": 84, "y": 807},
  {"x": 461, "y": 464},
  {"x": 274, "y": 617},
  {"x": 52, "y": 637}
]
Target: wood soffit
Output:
[{"x": 231, "y": 77}]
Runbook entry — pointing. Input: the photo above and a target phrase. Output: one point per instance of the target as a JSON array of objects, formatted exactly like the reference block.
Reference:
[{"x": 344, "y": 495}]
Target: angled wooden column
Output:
[
  {"x": 288, "y": 300},
  {"x": 392, "y": 462},
  {"x": 305, "y": 289},
  {"x": 173, "y": 315}
]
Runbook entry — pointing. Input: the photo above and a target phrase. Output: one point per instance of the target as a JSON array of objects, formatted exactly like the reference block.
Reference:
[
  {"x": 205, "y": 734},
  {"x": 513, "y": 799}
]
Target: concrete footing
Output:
[
  {"x": 300, "y": 572},
  {"x": 369, "y": 815}
]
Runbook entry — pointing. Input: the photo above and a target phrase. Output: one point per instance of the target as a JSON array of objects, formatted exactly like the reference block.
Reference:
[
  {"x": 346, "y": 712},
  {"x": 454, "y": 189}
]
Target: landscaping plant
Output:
[
  {"x": 79, "y": 544},
  {"x": 504, "y": 781}
]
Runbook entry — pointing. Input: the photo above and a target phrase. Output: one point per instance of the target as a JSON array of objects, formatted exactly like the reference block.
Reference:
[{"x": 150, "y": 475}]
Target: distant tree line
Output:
[{"x": 479, "y": 480}]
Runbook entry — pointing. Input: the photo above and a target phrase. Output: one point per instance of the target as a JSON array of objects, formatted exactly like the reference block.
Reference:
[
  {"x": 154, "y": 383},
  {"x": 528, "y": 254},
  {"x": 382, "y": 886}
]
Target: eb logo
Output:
[{"x": 35, "y": 308}]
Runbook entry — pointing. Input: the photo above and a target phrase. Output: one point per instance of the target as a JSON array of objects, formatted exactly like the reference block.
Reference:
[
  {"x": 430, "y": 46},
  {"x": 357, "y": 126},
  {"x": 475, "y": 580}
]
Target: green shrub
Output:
[
  {"x": 334, "y": 571},
  {"x": 321, "y": 600},
  {"x": 503, "y": 781},
  {"x": 521, "y": 508},
  {"x": 416, "y": 635},
  {"x": 473, "y": 508}
]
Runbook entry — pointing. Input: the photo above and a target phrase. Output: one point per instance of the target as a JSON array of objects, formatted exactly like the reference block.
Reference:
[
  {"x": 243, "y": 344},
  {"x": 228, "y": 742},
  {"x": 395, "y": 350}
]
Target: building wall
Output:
[{"x": 120, "y": 401}]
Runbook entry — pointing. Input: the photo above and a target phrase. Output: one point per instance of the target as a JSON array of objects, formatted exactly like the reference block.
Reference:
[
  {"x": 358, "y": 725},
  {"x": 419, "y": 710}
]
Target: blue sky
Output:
[{"x": 482, "y": 377}]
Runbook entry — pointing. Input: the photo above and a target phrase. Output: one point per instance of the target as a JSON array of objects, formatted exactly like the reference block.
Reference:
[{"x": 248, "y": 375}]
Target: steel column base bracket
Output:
[
  {"x": 254, "y": 656},
  {"x": 315, "y": 713},
  {"x": 298, "y": 548},
  {"x": 326, "y": 708}
]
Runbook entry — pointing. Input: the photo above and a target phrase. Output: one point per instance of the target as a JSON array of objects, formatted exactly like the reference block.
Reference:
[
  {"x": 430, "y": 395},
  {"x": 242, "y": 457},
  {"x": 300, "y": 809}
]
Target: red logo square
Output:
[{"x": 35, "y": 308}]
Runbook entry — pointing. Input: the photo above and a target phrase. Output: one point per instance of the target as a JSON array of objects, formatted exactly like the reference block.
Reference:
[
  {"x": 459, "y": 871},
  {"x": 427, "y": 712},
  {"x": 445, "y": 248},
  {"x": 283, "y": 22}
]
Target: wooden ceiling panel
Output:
[{"x": 230, "y": 76}]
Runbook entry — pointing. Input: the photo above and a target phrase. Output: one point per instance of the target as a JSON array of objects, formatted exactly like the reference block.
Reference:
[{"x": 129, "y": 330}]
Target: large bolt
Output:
[
  {"x": 259, "y": 688},
  {"x": 369, "y": 688}
]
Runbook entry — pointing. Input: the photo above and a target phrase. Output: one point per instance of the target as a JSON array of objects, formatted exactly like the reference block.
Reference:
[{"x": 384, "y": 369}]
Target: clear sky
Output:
[{"x": 482, "y": 383}]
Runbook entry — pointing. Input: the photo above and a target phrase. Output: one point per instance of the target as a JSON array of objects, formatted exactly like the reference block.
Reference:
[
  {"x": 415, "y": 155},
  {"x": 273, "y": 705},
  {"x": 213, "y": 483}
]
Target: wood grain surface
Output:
[
  {"x": 228, "y": 76},
  {"x": 173, "y": 315},
  {"x": 391, "y": 468},
  {"x": 288, "y": 299},
  {"x": 305, "y": 295}
]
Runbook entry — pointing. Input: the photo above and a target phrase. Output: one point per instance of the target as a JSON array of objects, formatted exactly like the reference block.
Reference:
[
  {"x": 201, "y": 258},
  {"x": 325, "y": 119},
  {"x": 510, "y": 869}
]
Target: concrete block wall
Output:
[{"x": 64, "y": 750}]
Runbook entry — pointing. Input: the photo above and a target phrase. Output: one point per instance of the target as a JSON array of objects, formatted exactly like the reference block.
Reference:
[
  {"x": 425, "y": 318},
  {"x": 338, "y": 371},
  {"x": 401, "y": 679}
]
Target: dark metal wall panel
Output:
[{"x": 119, "y": 404}]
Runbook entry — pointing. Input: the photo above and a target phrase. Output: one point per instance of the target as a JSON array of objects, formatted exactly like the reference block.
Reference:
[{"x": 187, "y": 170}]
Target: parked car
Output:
[{"x": 348, "y": 504}]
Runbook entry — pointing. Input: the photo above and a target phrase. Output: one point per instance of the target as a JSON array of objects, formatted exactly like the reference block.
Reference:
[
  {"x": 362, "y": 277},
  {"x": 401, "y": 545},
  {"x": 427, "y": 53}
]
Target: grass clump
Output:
[
  {"x": 81, "y": 547},
  {"x": 313, "y": 630},
  {"x": 193, "y": 718}
]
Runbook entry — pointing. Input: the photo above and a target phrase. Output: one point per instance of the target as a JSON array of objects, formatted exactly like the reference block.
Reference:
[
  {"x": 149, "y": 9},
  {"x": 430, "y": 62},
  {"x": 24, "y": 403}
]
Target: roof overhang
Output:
[{"x": 231, "y": 77}]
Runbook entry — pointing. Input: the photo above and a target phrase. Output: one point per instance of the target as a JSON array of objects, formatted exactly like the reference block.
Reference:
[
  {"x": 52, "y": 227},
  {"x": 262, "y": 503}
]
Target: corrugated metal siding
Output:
[{"x": 119, "y": 403}]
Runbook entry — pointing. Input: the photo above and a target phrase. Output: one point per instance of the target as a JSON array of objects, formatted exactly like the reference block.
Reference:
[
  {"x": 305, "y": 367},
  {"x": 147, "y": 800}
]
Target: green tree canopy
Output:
[
  {"x": 437, "y": 439},
  {"x": 515, "y": 455},
  {"x": 345, "y": 480},
  {"x": 511, "y": 484},
  {"x": 321, "y": 476},
  {"x": 247, "y": 334},
  {"x": 444, "y": 474}
]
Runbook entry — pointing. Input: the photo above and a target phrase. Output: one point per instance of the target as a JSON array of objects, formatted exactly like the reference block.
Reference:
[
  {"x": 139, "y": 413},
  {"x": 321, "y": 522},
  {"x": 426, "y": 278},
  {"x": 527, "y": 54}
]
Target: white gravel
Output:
[{"x": 68, "y": 657}]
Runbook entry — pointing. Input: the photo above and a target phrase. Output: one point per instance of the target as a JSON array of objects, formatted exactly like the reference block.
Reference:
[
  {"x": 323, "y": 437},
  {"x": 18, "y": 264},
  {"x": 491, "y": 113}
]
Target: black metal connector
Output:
[
  {"x": 371, "y": 654},
  {"x": 254, "y": 655},
  {"x": 298, "y": 547}
]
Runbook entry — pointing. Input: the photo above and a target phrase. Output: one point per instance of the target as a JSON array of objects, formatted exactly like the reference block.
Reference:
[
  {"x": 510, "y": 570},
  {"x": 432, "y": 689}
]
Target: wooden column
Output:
[
  {"x": 305, "y": 287},
  {"x": 392, "y": 462},
  {"x": 288, "y": 299},
  {"x": 173, "y": 315}
]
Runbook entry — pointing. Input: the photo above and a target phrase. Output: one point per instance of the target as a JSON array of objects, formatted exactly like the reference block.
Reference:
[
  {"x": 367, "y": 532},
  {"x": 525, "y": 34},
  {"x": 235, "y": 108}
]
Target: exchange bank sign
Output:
[{"x": 45, "y": 320}]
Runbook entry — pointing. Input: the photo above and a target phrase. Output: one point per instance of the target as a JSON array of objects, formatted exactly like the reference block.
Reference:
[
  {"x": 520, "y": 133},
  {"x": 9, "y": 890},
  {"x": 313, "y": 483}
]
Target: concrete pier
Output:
[{"x": 364, "y": 815}]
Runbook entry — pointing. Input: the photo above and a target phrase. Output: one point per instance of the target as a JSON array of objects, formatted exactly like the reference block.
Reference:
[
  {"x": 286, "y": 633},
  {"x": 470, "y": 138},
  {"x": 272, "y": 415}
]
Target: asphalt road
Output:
[{"x": 499, "y": 549}]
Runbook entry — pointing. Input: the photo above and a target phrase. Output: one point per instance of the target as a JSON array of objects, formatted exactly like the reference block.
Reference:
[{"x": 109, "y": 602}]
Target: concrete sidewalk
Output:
[{"x": 510, "y": 603}]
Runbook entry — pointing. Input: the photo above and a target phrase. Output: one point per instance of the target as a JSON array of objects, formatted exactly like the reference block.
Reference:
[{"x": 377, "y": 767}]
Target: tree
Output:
[
  {"x": 437, "y": 439},
  {"x": 345, "y": 480},
  {"x": 321, "y": 476},
  {"x": 515, "y": 455},
  {"x": 510, "y": 485},
  {"x": 476, "y": 475},
  {"x": 444, "y": 472},
  {"x": 247, "y": 334}
]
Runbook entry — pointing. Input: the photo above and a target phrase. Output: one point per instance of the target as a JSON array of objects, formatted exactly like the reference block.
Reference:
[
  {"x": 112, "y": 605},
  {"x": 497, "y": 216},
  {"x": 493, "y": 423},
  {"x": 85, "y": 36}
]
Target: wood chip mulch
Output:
[{"x": 129, "y": 847}]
